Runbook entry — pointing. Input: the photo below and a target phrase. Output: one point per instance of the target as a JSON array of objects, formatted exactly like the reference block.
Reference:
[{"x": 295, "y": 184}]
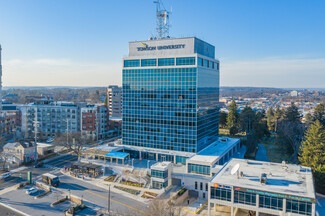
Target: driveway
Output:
[{"x": 261, "y": 154}]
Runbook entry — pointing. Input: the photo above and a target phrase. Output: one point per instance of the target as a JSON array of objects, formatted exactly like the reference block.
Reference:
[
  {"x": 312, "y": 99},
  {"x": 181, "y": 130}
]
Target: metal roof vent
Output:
[{"x": 263, "y": 178}]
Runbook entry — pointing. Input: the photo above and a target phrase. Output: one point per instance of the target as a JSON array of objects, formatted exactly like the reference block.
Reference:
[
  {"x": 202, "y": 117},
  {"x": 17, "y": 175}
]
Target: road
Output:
[
  {"x": 50, "y": 166},
  {"x": 89, "y": 192}
]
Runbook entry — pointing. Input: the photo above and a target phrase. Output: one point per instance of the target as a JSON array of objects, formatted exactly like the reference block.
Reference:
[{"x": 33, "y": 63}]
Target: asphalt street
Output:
[
  {"x": 50, "y": 166},
  {"x": 89, "y": 192}
]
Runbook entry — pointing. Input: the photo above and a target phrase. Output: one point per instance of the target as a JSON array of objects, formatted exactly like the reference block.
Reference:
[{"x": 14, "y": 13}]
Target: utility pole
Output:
[
  {"x": 36, "y": 124},
  {"x": 67, "y": 131},
  {"x": 109, "y": 200}
]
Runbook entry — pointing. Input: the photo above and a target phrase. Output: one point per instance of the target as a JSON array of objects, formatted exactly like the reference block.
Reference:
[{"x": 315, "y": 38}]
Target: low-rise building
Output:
[
  {"x": 161, "y": 175},
  {"x": 264, "y": 188},
  {"x": 95, "y": 122},
  {"x": 21, "y": 151}
]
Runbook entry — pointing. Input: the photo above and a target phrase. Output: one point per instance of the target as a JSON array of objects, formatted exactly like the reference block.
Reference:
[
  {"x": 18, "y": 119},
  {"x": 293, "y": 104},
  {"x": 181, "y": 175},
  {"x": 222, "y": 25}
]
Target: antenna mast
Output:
[{"x": 162, "y": 20}]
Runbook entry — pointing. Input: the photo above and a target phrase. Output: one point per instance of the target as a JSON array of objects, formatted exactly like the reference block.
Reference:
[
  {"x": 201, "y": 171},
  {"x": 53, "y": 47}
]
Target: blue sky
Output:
[{"x": 81, "y": 43}]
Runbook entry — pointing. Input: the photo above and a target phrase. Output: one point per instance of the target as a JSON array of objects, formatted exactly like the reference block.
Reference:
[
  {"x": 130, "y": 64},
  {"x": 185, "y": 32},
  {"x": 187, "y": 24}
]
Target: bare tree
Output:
[
  {"x": 161, "y": 207},
  {"x": 74, "y": 142},
  {"x": 292, "y": 132},
  {"x": 5, "y": 156}
]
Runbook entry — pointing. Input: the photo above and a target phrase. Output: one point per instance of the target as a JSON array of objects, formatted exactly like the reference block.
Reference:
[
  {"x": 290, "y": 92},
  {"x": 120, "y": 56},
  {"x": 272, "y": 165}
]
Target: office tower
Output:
[
  {"x": 170, "y": 94},
  {"x": 114, "y": 94}
]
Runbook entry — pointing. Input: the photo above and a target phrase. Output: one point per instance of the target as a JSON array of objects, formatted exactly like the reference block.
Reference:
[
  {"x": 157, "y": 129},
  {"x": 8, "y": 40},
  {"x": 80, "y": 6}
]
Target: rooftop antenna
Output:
[{"x": 162, "y": 20}]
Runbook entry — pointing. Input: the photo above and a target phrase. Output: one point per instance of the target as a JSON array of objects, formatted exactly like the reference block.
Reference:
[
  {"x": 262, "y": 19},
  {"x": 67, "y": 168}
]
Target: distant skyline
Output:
[{"x": 81, "y": 43}]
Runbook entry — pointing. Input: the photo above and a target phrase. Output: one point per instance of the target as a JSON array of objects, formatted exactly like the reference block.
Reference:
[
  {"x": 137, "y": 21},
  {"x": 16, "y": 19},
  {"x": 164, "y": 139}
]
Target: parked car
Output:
[
  {"x": 5, "y": 175},
  {"x": 31, "y": 191}
]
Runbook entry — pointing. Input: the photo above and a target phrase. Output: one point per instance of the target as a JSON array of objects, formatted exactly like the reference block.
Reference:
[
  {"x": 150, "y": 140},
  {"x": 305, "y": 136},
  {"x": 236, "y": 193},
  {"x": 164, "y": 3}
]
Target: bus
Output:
[{"x": 51, "y": 179}]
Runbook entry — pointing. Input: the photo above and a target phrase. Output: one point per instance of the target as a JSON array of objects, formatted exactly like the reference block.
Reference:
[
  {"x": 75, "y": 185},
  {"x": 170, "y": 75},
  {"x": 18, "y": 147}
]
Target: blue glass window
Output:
[
  {"x": 199, "y": 61},
  {"x": 245, "y": 198},
  {"x": 206, "y": 63},
  {"x": 159, "y": 185},
  {"x": 299, "y": 207},
  {"x": 217, "y": 66},
  {"x": 199, "y": 169},
  {"x": 159, "y": 174},
  {"x": 132, "y": 63},
  {"x": 148, "y": 62},
  {"x": 220, "y": 194},
  {"x": 166, "y": 62},
  {"x": 271, "y": 202},
  {"x": 185, "y": 61}
]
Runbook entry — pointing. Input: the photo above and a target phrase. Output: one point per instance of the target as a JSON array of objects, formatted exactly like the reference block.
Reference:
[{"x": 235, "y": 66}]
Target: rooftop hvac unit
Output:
[{"x": 263, "y": 178}]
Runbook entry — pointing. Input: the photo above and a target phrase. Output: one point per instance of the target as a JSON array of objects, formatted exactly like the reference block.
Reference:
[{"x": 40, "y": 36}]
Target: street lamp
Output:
[
  {"x": 35, "y": 124},
  {"x": 109, "y": 199}
]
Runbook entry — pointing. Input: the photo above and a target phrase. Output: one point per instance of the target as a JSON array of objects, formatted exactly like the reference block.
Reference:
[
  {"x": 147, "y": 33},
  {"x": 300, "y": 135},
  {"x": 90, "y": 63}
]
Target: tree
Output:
[
  {"x": 270, "y": 116},
  {"x": 319, "y": 175},
  {"x": 160, "y": 207},
  {"x": 278, "y": 115},
  {"x": 246, "y": 119},
  {"x": 319, "y": 113},
  {"x": 73, "y": 142},
  {"x": 223, "y": 119},
  {"x": 232, "y": 118},
  {"x": 313, "y": 146},
  {"x": 5, "y": 157},
  {"x": 292, "y": 114},
  {"x": 308, "y": 119}
]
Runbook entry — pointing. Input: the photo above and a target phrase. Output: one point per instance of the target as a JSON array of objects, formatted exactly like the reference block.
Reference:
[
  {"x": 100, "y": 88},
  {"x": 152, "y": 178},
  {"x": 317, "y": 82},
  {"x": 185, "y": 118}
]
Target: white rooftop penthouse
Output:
[
  {"x": 263, "y": 187},
  {"x": 217, "y": 153}
]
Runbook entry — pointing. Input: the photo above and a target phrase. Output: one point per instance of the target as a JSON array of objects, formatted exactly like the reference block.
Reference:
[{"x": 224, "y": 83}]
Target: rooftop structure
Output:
[{"x": 264, "y": 187}]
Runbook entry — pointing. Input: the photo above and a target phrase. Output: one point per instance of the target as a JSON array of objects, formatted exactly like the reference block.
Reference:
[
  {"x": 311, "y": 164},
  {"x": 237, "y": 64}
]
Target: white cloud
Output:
[
  {"x": 274, "y": 72},
  {"x": 268, "y": 72},
  {"x": 60, "y": 72}
]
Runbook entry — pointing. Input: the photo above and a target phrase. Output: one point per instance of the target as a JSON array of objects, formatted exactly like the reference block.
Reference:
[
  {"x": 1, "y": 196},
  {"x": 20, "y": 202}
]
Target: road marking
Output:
[{"x": 88, "y": 191}]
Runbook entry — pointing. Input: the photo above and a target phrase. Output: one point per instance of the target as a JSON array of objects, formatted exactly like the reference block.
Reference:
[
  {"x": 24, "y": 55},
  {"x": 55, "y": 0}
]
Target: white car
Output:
[
  {"x": 5, "y": 175},
  {"x": 31, "y": 190}
]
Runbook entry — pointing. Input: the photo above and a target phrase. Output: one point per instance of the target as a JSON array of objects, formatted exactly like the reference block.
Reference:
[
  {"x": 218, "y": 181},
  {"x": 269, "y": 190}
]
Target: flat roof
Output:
[
  {"x": 119, "y": 155},
  {"x": 286, "y": 179},
  {"x": 106, "y": 147},
  {"x": 214, "y": 151},
  {"x": 161, "y": 165}
]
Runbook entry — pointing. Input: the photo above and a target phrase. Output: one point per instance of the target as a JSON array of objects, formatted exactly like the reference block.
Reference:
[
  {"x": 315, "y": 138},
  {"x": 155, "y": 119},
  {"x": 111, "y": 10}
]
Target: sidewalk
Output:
[
  {"x": 104, "y": 184},
  {"x": 196, "y": 206}
]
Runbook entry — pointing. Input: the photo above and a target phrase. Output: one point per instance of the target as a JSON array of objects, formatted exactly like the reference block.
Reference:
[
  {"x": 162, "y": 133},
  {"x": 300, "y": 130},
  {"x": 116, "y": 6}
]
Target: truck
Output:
[{"x": 51, "y": 179}]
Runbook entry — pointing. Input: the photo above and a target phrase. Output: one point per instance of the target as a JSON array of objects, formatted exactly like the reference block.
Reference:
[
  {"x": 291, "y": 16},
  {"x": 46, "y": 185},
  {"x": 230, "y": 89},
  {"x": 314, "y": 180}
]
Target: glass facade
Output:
[
  {"x": 220, "y": 194},
  {"x": 166, "y": 62},
  {"x": 159, "y": 174},
  {"x": 174, "y": 108},
  {"x": 199, "y": 169},
  {"x": 159, "y": 185},
  {"x": 148, "y": 62},
  {"x": 185, "y": 61},
  {"x": 271, "y": 202},
  {"x": 244, "y": 198},
  {"x": 299, "y": 207},
  {"x": 132, "y": 63}
]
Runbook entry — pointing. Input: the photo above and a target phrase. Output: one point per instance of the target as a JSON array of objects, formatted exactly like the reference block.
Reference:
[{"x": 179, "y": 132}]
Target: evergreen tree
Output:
[
  {"x": 232, "y": 117},
  {"x": 313, "y": 146},
  {"x": 223, "y": 119},
  {"x": 278, "y": 116},
  {"x": 319, "y": 113},
  {"x": 246, "y": 119},
  {"x": 270, "y": 116},
  {"x": 292, "y": 114}
]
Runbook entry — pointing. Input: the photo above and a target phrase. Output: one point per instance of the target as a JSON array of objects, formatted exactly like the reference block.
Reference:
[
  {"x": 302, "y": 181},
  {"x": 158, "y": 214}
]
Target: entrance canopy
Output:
[{"x": 118, "y": 155}]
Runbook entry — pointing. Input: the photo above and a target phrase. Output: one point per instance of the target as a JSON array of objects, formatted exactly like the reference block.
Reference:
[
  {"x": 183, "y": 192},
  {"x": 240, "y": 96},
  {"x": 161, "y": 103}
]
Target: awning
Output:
[{"x": 119, "y": 155}]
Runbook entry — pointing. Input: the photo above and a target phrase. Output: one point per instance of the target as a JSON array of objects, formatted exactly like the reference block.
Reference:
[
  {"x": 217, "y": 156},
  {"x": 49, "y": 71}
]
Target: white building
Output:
[
  {"x": 262, "y": 187},
  {"x": 114, "y": 94}
]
